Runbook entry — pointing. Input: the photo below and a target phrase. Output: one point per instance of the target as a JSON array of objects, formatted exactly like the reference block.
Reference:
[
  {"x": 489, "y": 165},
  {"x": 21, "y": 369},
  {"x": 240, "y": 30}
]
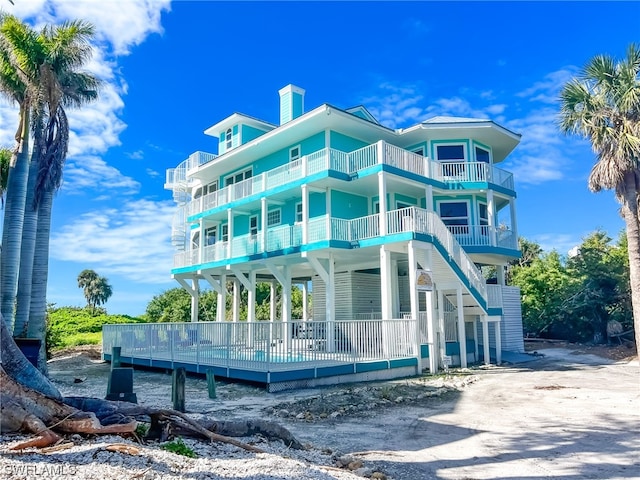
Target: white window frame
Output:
[
  {"x": 234, "y": 175},
  {"x": 271, "y": 222},
  {"x": 298, "y": 212},
  {"x": 251, "y": 228},
  {"x": 445, "y": 169},
  {"x": 475, "y": 154},
  {"x": 224, "y": 232},
  {"x": 228, "y": 139},
  {"x": 211, "y": 235},
  {"x": 480, "y": 219},
  {"x": 292, "y": 157},
  {"x": 468, "y": 217}
]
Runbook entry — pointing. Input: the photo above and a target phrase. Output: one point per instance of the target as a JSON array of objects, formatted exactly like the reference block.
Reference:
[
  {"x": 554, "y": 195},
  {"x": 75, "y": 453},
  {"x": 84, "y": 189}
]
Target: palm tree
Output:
[
  {"x": 67, "y": 49},
  {"x": 96, "y": 289},
  {"x": 5, "y": 160},
  {"x": 603, "y": 106},
  {"x": 18, "y": 46}
]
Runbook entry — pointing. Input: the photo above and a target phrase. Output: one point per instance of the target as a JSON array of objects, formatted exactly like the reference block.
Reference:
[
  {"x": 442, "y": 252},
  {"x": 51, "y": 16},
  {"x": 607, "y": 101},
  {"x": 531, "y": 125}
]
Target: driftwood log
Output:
[{"x": 30, "y": 403}]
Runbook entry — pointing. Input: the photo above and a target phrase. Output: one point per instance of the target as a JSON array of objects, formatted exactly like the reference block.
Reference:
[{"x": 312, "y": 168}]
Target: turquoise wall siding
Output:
[
  {"x": 359, "y": 113},
  {"x": 347, "y": 205},
  {"x": 344, "y": 143},
  {"x": 317, "y": 204},
  {"x": 249, "y": 133},
  {"x": 297, "y": 105},
  {"x": 307, "y": 145}
]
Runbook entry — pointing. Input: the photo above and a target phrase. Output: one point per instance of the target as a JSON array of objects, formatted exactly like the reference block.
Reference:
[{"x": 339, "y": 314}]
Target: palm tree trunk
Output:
[
  {"x": 13, "y": 222},
  {"x": 630, "y": 212},
  {"x": 38, "y": 310},
  {"x": 27, "y": 251}
]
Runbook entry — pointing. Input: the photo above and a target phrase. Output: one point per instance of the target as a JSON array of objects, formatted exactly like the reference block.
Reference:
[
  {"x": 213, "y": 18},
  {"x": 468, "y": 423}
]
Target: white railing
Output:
[
  {"x": 494, "y": 296},
  {"x": 450, "y": 314},
  {"x": 265, "y": 346},
  {"x": 364, "y": 227},
  {"x": 363, "y": 158},
  {"x": 475, "y": 172},
  {"x": 199, "y": 158},
  {"x": 405, "y": 160}
]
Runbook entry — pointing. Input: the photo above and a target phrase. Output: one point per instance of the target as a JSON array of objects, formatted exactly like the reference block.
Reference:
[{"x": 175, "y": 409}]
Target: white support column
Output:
[
  {"x": 195, "y": 297},
  {"x": 272, "y": 302},
  {"x": 382, "y": 201},
  {"x": 200, "y": 243},
  {"x": 328, "y": 210},
  {"x": 462, "y": 336},
  {"x": 475, "y": 339},
  {"x": 431, "y": 333},
  {"x": 229, "y": 233},
  {"x": 330, "y": 310},
  {"x": 221, "y": 313},
  {"x": 287, "y": 320},
  {"x": 385, "y": 283},
  {"x": 428, "y": 194},
  {"x": 491, "y": 218},
  {"x": 251, "y": 307},
  {"x": 305, "y": 301},
  {"x": 264, "y": 207},
  {"x": 514, "y": 222},
  {"x": 500, "y": 275},
  {"x": 485, "y": 340},
  {"x": 413, "y": 297},
  {"x": 498, "y": 336},
  {"x": 442, "y": 339},
  {"x": 305, "y": 214},
  {"x": 395, "y": 297},
  {"x": 236, "y": 300}
]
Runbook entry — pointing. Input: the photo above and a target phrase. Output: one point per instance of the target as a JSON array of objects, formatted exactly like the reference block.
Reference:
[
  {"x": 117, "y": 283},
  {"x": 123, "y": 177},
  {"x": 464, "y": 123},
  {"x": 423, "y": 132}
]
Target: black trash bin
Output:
[{"x": 30, "y": 347}]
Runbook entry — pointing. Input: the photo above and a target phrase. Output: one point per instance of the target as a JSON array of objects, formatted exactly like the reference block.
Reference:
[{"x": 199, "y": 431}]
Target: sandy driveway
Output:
[{"x": 563, "y": 416}]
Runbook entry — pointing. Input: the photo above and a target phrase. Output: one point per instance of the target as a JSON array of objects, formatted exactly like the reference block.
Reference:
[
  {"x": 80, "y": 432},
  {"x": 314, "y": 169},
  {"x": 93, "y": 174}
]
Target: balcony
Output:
[
  {"x": 323, "y": 228},
  {"x": 352, "y": 164}
]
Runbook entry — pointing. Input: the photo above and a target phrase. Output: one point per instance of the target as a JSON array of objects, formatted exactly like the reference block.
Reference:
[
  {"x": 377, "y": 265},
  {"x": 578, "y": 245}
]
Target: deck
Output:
[{"x": 279, "y": 355}]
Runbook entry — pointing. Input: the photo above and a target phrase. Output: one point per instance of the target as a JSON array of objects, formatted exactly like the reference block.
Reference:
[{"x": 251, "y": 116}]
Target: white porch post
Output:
[
  {"x": 264, "y": 207},
  {"x": 236, "y": 300},
  {"x": 305, "y": 301},
  {"x": 229, "y": 233},
  {"x": 485, "y": 340},
  {"x": 475, "y": 339},
  {"x": 385, "y": 294},
  {"x": 287, "y": 320},
  {"x": 491, "y": 218},
  {"x": 413, "y": 296},
  {"x": 514, "y": 222},
  {"x": 498, "y": 336},
  {"x": 272, "y": 301},
  {"x": 442, "y": 339},
  {"x": 221, "y": 311},
  {"x": 195, "y": 297},
  {"x": 330, "y": 310},
  {"x": 200, "y": 243},
  {"x": 500, "y": 275},
  {"x": 382, "y": 201},
  {"x": 395, "y": 296},
  {"x": 462, "y": 336},
  {"x": 428, "y": 194},
  {"x": 328, "y": 210},
  {"x": 305, "y": 214},
  {"x": 251, "y": 307}
]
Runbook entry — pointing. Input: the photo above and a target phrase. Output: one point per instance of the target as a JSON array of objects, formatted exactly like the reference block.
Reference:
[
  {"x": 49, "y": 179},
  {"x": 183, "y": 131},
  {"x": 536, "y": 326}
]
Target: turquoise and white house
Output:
[{"x": 388, "y": 231}]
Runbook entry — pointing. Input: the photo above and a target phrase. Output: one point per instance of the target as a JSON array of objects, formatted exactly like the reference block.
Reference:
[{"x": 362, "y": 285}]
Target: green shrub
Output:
[
  {"x": 178, "y": 446},
  {"x": 71, "y": 326}
]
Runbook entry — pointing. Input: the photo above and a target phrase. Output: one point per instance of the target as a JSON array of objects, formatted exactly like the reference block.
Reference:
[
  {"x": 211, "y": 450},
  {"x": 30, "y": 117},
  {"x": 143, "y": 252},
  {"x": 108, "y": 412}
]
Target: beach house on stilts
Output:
[{"x": 387, "y": 230}]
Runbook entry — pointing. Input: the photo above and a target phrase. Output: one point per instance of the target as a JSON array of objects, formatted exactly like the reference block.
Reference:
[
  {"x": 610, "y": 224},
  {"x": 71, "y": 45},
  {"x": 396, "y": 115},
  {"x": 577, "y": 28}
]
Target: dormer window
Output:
[{"x": 229, "y": 138}]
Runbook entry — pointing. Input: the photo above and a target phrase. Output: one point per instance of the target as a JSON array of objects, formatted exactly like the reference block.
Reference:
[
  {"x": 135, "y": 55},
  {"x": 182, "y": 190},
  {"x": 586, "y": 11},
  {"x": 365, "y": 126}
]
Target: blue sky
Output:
[{"x": 172, "y": 69}]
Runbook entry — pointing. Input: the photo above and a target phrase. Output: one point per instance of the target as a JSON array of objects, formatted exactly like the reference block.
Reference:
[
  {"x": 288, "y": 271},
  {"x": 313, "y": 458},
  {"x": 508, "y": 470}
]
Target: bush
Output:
[{"x": 71, "y": 326}]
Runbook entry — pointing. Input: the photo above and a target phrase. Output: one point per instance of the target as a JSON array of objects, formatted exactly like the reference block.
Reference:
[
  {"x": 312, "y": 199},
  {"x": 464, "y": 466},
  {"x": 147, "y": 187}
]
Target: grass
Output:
[{"x": 178, "y": 447}]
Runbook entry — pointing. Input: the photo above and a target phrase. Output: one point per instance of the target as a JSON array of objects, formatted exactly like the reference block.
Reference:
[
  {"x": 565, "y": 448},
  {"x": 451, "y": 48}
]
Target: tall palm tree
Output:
[
  {"x": 18, "y": 47},
  {"x": 67, "y": 49},
  {"x": 603, "y": 106}
]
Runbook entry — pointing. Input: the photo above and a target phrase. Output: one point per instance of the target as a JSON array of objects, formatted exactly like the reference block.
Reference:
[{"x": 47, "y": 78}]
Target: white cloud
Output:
[
  {"x": 548, "y": 89},
  {"x": 132, "y": 241},
  {"x": 137, "y": 155},
  {"x": 560, "y": 242},
  {"x": 152, "y": 173},
  {"x": 92, "y": 172}
]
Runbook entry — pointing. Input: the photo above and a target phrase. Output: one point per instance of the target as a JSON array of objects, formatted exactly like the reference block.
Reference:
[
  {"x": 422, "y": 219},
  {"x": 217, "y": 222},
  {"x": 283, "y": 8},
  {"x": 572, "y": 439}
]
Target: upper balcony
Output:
[{"x": 352, "y": 165}]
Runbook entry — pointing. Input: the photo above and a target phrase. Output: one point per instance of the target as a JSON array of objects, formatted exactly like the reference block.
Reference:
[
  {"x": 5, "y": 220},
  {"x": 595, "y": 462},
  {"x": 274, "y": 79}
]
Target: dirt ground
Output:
[{"x": 567, "y": 413}]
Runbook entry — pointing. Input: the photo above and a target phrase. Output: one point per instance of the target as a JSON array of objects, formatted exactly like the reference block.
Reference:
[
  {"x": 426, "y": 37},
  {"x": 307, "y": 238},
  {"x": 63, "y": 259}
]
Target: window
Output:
[
  {"x": 419, "y": 151},
  {"x": 294, "y": 153},
  {"x": 210, "y": 235},
  {"x": 482, "y": 155},
  {"x": 299, "y": 212},
  {"x": 455, "y": 215},
  {"x": 238, "y": 177},
  {"x": 274, "y": 217},
  {"x": 229, "y": 138},
  {"x": 225, "y": 233},
  {"x": 483, "y": 214},
  {"x": 205, "y": 190},
  {"x": 253, "y": 225},
  {"x": 452, "y": 158}
]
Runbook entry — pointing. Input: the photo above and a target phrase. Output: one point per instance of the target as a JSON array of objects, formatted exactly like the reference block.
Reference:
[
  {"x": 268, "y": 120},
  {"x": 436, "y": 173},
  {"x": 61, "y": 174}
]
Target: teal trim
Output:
[
  {"x": 424, "y": 351},
  {"x": 453, "y": 348},
  {"x": 371, "y": 366},
  {"x": 507, "y": 252},
  {"x": 403, "y": 362},
  {"x": 288, "y": 375},
  {"x": 251, "y": 376},
  {"x": 494, "y": 311},
  {"x": 334, "y": 371}
]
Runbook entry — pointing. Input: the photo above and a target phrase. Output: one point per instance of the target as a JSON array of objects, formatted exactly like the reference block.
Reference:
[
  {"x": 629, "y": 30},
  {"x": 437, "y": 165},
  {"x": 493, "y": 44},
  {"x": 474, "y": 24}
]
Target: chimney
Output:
[{"x": 291, "y": 103}]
